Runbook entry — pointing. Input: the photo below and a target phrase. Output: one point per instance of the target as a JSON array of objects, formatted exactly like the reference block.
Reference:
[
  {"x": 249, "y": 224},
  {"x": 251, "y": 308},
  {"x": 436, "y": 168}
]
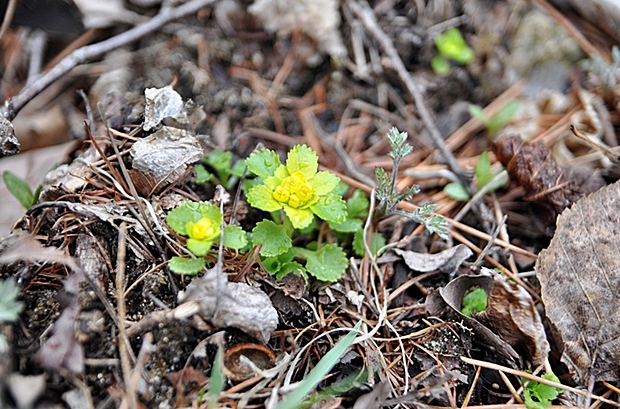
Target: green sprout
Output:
[
  {"x": 389, "y": 197},
  {"x": 9, "y": 307},
  {"x": 539, "y": 395},
  {"x": 227, "y": 173},
  {"x": 474, "y": 301},
  {"x": 20, "y": 189},
  {"x": 498, "y": 120},
  {"x": 200, "y": 222},
  {"x": 484, "y": 175},
  {"x": 451, "y": 47}
]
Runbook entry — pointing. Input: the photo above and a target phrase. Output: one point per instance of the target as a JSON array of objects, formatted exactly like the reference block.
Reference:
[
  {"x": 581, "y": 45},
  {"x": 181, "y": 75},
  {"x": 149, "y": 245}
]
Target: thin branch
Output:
[{"x": 13, "y": 105}]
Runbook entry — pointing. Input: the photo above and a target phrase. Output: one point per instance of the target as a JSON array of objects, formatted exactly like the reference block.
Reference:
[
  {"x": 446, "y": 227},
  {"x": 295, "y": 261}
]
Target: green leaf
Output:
[
  {"x": 261, "y": 197},
  {"x": 273, "y": 237},
  {"x": 217, "y": 380},
  {"x": 324, "y": 183},
  {"x": 186, "y": 266},
  {"x": 452, "y": 45},
  {"x": 358, "y": 204},
  {"x": 294, "y": 399},
  {"x": 202, "y": 174},
  {"x": 290, "y": 267},
  {"x": 331, "y": 208},
  {"x": 376, "y": 242},
  {"x": 299, "y": 218},
  {"x": 474, "y": 301},
  {"x": 234, "y": 237},
  {"x": 9, "y": 306},
  {"x": 220, "y": 161},
  {"x": 328, "y": 264},
  {"x": 477, "y": 112},
  {"x": 304, "y": 159},
  {"x": 349, "y": 225},
  {"x": 263, "y": 163},
  {"x": 190, "y": 212},
  {"x": 199, "y": 247},
  {"x": 503, "y": 116},
  {"x": 18, "y": 188},
  {"x": 238, "y": 168},
  {"x": 539, "y": 395},
  {"x": 440, "y": 66},
  {"x": 456, "y": 191},
  {"x": 483, "y": 170}
]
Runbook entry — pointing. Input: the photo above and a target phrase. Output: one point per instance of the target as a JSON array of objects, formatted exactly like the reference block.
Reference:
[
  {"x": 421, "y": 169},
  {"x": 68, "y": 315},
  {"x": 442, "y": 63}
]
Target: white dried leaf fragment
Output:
[{"x": 162, "y": 103}]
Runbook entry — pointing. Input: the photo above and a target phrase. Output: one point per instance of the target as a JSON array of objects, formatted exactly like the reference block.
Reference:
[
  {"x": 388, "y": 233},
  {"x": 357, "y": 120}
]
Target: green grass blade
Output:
[
  {"x": 295, "y": 398},
  {"x": 217, "y": 380},
  {"x": 18, "y": 188}
]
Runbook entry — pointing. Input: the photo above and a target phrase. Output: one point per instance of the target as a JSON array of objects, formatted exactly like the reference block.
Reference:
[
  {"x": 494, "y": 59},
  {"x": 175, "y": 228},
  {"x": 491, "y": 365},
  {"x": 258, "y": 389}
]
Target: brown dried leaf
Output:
[
  {"x": 580, "y": 278},
  {"x": 550, "y": 186}
]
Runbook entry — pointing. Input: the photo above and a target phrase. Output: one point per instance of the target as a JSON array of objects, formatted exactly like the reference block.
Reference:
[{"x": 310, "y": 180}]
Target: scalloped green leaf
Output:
[
  {"x": 324, "y": 182},
  {"x": 273, "y": 238},
  {"x": 186, "y": 266},
  {"x": 234, "y": 237},
  {"x": 180, "y": 216},
  {"x": 299, "y": 218},
  {"x": 329, "y": 263},
  {"x": 199, "y": 247},
  {"x": 358, "y": 204},
  {"x": 349, "y": 225},
  {"x": 304, "y": 159},
  {"x": 331, "y": 208},
  {"x": 261, "y": 197},
  {"x": 202, "y": 174},
  {"x": 263, "y": 163}
]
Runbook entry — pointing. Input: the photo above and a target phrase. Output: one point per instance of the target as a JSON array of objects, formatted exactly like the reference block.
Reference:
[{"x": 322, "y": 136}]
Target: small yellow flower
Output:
[{"x": 203, "y": 229}]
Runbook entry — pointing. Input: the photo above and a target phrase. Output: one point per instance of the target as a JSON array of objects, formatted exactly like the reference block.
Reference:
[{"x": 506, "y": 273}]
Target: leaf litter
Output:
[{"x": 150, "y": 350}]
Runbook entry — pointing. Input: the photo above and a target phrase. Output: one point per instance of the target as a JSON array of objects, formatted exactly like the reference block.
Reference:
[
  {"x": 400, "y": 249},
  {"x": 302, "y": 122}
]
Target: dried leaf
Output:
[
  {"x": 162, "y": 158},
  {"x": 550, "y": 186},
  {"x": 162, "y": 103},
  {"x": 447, "y": 261},
  {"x": 236, "y": 305},
  {"x": 512, "y": 315},
  {"x": 580, "y": 276}
]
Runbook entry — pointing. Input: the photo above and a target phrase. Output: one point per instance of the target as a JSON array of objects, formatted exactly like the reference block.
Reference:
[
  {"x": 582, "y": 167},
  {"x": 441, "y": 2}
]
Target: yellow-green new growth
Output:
[{"x": 296, "y": 187}]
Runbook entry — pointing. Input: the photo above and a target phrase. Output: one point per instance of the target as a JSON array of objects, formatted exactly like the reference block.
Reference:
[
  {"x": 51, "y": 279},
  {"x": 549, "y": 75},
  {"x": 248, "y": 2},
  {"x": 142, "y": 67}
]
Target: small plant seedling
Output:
[
  {"x": 201, "y": 223},
  {"x": 499, "y": 119},
  {"x": 451, "y": 47},
  {"x": 10, "y": 308},
  {"x": 227, "y": 174},
  {"x": 539, "y": 395},
  {"x": 484, "y": 175},
  {"x": 389, "y": 197},
  {"x": 474, "y": 301},
  {"x": 19, "y": 188}
]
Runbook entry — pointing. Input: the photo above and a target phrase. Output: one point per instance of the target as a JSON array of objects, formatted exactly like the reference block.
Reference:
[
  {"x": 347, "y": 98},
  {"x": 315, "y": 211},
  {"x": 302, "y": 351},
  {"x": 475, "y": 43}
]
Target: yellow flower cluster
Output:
[
  {"x": 294, "y": 191},
  {"x": 203, "y": 229}
]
